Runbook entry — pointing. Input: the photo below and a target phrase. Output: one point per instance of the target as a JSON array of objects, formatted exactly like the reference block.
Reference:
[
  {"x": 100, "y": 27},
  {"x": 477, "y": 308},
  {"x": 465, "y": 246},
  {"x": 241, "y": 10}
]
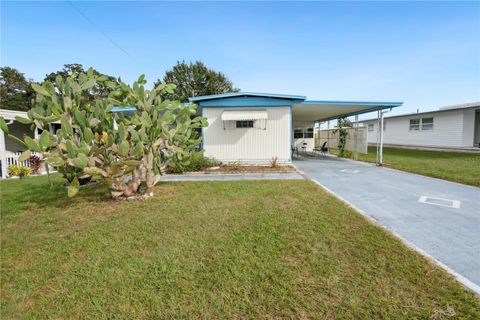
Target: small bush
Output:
[
  {"x": 235, "y": 165},
  {"x": 273, "y": 162},
  {"x": 198, "y": 162},
  {"x": 19, "y": 171},
  {"x": 35, "y": 164},
  {"x": 346, "y": 154}
]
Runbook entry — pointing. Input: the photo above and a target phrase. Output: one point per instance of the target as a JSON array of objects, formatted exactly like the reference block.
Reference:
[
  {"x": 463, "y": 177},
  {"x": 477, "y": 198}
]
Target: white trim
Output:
[
  {"x": 11, "y": 114},
  {"x": 238, "y": 115}
]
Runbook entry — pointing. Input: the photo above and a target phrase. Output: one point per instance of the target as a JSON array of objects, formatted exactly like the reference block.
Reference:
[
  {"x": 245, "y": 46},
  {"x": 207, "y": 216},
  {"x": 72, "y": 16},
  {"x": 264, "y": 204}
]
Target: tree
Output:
[
  {"x": 128, "y": 152},
  {"x": 16, "y": 92},
  {"x": 195, "y": 79},
  {"x": 99, "y": 90},
  {"x": 342, "y": 125}
]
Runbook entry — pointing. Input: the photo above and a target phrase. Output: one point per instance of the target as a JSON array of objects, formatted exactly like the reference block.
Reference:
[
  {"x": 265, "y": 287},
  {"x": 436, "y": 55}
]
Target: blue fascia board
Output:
[
  {"x": 124, "y": 109},
  {"x": 247, "y": 102},
  {"x": 247, "y": 94},
  {"x": 355, "y": 103}
]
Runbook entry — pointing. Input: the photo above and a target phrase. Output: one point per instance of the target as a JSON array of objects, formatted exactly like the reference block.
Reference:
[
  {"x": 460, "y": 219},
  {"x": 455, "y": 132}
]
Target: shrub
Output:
[
  {"x": 342, "y": 124},
  {"x": 347, "y": 154},
  {"x": 235, "y": 165},
  {"x": 35, "y": 164},
  {"x": 273, "y": 162},
  {"x": 19, "y": 171},
  {"x": 198, "y": 162}
]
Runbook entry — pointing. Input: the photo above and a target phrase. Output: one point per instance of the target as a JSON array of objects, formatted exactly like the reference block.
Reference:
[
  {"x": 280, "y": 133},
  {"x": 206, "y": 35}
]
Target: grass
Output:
[
  {"x": 453, "y": 166},
  {"x": 210, "y": 250}
]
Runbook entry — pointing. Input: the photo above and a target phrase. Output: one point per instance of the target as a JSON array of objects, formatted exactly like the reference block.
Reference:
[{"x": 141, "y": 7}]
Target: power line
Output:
[{"x": 99, "y": 29}]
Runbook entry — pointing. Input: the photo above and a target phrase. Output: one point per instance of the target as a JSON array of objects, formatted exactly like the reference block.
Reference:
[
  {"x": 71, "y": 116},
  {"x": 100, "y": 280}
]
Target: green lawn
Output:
[
  {"x": 454, "y": 166},
  {"x": 210, "y": 250}
]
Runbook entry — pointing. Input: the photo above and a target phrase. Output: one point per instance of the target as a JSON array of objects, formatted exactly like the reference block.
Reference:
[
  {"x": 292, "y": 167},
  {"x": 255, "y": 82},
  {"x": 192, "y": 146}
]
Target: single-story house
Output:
[
  {"x": 248, "y": 127},
  {"x": 456, "y": 126},
  {"x": 243, "y": 127}
]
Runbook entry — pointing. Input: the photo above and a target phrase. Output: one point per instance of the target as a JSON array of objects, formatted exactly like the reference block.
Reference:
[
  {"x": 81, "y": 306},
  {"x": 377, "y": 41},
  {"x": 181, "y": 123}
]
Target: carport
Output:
[{"x": 307, "y": 113}]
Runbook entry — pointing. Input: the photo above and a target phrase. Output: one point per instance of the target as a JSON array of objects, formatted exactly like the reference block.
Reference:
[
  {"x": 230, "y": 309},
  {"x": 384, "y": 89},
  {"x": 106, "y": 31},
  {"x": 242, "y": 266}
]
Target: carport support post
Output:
[
  {"x": 328, "y": 136},
  {"x": 377, "y": 139},
  {"x": 381, "y": 139},
  {"x": 355, "y": 143}
]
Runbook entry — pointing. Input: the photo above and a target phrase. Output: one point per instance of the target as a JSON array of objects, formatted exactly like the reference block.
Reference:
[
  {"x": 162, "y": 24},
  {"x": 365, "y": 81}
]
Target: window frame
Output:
[
  {"x": 308, "y": 134},
  {"x": 370, "y": 127},
  {"x": 416, "y": 125},
  {"x": 429, "y": 124},
  {"x": 244, "y": 124},
  {"x": 298, "y": 133}
]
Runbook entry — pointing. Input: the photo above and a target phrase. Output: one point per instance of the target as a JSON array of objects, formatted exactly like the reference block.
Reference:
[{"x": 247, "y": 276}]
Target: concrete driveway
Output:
[{"x": 438, "y": 218}]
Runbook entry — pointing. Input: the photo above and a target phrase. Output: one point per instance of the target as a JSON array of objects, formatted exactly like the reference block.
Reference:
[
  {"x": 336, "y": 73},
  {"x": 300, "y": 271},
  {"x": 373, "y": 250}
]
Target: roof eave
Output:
[{"x": 246, "y": 94}]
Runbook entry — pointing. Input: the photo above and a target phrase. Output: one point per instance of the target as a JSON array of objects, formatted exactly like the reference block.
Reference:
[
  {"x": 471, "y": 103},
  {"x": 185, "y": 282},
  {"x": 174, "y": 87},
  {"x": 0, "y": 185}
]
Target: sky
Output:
[{"x": 426, "y": 54}]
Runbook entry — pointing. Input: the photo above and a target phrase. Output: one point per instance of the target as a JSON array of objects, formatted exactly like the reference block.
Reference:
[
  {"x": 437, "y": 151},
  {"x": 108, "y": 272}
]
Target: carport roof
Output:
[{"x": 324, "y": 110}]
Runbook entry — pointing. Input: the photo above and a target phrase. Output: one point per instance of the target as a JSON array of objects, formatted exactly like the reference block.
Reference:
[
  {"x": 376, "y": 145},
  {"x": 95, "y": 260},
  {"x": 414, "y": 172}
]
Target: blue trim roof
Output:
[
  {"x": 247, "y": 94},
  {"x": 123, "y": 109}
]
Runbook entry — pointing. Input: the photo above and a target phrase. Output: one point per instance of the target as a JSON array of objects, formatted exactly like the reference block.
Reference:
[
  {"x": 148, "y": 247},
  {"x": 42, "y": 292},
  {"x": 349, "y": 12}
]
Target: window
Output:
[
  {"x": 298, "y": 133},
  {"x": 414, "y": 124},
  {"x": 427, "y": 124},
  {"x": 245, "y": 124},
  {"x": 308, "y": 133},
  {"x": 370, "y": 127}
]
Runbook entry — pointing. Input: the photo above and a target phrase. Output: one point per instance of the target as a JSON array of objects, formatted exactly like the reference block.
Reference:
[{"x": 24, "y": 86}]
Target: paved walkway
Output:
[
  {"x": 232, "y": 176},
  {"x": 439, "y": 218}
]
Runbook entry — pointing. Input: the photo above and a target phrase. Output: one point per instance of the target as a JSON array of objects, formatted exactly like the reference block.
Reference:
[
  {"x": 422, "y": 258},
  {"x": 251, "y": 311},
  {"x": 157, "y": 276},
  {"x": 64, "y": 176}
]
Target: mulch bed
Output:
[{"x": 249, "y": 169}]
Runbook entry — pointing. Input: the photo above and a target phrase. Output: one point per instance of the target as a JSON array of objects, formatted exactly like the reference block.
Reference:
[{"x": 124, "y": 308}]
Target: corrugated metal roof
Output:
[
  {"x": 442, "y": 109},
  {"x": 247, "y": 94},
  {"x": 244, "y": 115}
]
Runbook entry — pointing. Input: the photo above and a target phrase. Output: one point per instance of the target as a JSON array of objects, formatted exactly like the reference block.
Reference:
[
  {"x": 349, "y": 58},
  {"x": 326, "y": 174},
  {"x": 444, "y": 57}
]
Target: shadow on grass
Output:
[{"x": 36, "y": 193}]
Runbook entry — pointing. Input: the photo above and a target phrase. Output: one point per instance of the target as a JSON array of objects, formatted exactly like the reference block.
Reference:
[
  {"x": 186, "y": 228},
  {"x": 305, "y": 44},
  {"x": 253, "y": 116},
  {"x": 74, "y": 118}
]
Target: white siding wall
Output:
[
  {"x": 249, "y": 145},
  {"x": 468, "y": 127},
  {"x": 310, "y": 144},
  {"x": 448, "y": 130}
]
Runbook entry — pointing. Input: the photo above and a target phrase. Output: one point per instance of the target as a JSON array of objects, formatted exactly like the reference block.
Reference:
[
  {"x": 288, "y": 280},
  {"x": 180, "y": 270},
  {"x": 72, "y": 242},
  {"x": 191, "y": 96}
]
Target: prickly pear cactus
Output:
[{"x": 128, "y": 151}]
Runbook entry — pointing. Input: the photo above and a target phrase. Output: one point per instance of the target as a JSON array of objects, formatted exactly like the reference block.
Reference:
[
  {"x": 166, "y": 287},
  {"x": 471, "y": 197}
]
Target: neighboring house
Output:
[
  {"x": 10, "y": 150},
  {"x": 456, "y": 126},
  {"x": 255, "y": 127}
]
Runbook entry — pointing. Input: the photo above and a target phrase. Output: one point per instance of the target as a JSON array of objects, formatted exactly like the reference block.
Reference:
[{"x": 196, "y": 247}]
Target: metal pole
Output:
[
  {"x": 381, "y": 138},
  {"x": 328, "y": 136},
  {"x": 377, "y": 139},
  {"x": 355, "y": 153}
]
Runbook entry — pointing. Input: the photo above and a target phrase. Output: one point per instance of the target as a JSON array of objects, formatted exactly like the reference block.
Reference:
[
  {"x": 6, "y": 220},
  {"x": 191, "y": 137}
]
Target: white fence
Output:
[
  {"x": 11, "y": 158},
  {"x": 357, "y": 137}
]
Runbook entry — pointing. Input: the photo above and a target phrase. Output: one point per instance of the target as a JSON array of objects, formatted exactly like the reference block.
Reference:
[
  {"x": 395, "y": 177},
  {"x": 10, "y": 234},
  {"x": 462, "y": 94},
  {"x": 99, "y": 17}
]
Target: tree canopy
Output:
[
  {"x": 100, "y": 90},
  {"x": 195, "y": 79},
  {"x": 16, "y": 92}
]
